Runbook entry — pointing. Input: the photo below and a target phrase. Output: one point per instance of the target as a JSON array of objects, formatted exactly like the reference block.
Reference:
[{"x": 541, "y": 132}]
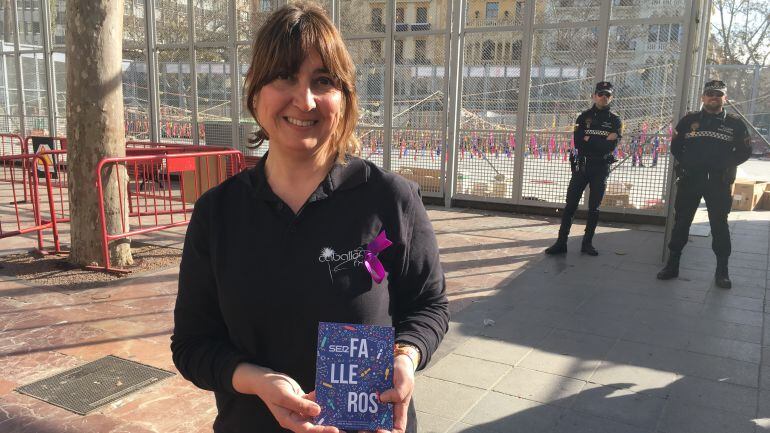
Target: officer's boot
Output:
[
  {"x": 721, "y": 276},
  {"x": 587, "y": 245},
  {"x": 560, "y": 247},
  {"x": 671, "y": 270}
]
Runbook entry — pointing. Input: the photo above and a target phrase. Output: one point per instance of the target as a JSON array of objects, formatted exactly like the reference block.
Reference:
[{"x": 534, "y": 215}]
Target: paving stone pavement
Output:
[{"x": 536, "y": 344}]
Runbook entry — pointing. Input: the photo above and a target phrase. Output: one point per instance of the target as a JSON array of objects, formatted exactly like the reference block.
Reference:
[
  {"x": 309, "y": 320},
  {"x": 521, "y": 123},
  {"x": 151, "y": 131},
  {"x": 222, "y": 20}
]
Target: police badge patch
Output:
[
  {"x": 588, "y": 122},
  {"x": 694, "y": 126}
]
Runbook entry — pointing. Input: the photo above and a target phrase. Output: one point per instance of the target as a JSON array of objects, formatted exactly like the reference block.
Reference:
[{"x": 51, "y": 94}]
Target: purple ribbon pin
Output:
[{"x": 372, "y": 263}]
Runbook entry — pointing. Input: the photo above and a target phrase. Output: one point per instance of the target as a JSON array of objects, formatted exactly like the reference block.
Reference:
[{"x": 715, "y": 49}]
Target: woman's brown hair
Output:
[{"x": 280, "y": 47}]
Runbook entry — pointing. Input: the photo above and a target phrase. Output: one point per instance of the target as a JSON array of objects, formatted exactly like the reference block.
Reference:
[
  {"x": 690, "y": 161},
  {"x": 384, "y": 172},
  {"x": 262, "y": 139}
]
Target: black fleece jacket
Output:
[
  {"x": 256, "y": 279},
  {"x": 597, "y": 124}
]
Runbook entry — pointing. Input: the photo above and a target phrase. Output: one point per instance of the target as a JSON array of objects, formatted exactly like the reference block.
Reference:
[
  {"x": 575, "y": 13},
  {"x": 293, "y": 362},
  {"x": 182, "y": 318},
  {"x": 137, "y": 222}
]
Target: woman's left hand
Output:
[{"x": 401, "y": 393}]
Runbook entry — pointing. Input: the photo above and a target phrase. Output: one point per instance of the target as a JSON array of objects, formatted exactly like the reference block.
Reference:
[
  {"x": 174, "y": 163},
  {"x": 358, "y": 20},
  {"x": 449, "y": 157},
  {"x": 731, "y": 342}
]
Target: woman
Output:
[{"x": 277, "y": 249}]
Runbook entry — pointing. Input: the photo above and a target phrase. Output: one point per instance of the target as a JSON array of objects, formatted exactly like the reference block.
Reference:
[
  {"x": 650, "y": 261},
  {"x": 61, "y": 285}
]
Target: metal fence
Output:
[{"x": 474, "y": 100}]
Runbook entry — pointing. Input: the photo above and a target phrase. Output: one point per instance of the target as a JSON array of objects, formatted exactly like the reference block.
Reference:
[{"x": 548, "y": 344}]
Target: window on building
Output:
[
  {"x": 376, "y": 16},
  {"x": 673, "y": 33},
  {"x": 265, "y": 6},
  {"x": 516, "y": 50},
  {"x": 519, "y": 6},
  {"x": 376, "y": 48},
  {"x": 507, "y": 54},
  {"x": 663, "y": 33},
  {"x": 564, "y": 39},
  {"x": 422, "y": 15},
  {"x": 399, "y": 51},
  {"x": 493, "y": 8},
  {"x": 476, "y": 14},
  {"x": 420, "y": 49},
  {"x": 488, "y": 52},
  {"x": 399, "y": 15}
]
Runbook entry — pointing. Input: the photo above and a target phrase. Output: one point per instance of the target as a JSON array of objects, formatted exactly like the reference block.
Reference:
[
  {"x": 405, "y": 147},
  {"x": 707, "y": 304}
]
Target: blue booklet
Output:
[{"x": 354, "y": 364}]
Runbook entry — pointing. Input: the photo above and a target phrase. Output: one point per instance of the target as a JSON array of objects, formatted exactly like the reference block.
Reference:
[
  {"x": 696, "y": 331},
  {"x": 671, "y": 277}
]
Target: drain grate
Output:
[{"x": 90, "y": 386}]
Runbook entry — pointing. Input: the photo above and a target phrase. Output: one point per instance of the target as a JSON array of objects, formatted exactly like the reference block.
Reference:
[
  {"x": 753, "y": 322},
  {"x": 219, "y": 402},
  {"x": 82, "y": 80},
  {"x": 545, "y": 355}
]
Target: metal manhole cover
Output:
[{"x": 90, "y": 386}]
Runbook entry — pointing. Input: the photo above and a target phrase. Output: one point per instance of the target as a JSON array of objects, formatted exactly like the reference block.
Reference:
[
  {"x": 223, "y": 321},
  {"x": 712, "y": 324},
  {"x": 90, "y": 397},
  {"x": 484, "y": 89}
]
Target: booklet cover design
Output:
[{"x": 354, "y": 364}]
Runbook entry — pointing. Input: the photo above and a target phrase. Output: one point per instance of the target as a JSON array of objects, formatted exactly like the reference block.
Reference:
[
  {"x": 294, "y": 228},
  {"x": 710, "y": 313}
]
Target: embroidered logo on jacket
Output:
[{"x": 339, "y": 262}]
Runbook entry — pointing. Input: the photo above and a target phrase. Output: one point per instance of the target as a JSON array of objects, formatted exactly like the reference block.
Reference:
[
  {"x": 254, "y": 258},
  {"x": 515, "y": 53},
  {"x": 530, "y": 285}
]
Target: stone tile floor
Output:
[{"x": 571, "y": 344}]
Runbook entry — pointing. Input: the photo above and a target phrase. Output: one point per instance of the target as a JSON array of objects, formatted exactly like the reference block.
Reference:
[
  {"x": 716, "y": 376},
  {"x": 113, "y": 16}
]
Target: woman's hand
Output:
[
  {"x": 401, "y": 393},
  {"x": 291, "y": 407}
]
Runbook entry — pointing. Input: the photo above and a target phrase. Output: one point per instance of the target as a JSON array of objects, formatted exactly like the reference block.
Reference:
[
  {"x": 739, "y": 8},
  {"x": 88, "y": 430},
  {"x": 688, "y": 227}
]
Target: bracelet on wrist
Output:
[{"x": 409, "y": 350}]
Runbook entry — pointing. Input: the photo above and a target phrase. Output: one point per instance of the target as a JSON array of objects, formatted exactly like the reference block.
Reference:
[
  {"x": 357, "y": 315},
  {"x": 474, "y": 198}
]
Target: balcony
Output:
[
  {"x": 491, "y": 22},
  {"x": 415, "y": 27},
  {"x": 660, "y": 46}
]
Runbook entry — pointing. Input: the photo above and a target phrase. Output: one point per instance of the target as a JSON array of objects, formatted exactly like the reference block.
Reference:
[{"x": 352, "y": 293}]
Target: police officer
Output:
[
  {"x": 708, "y": 146},
  {"x": 597, "y": 133}
]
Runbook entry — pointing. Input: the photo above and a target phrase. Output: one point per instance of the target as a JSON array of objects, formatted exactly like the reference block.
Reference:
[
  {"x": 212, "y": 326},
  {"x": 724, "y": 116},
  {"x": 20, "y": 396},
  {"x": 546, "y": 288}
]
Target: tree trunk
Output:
[{"x": 95, "y": 127}]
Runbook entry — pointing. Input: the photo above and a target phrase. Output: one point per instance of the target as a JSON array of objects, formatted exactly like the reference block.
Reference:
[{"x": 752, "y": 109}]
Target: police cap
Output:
[
  {"x": 715, "y": 85},
  {"x": 603, "y": 86}
]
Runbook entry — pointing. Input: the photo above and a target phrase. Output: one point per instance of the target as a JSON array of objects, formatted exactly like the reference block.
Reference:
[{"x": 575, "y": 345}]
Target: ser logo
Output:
[{"x": 339, "y": 349}]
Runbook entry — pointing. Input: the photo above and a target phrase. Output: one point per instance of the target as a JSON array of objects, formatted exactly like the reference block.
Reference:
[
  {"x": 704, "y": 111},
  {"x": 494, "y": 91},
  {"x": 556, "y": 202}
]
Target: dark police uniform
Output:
[
  {"x": 708, "y": 149},
  {"x": 590, "y": 167}
]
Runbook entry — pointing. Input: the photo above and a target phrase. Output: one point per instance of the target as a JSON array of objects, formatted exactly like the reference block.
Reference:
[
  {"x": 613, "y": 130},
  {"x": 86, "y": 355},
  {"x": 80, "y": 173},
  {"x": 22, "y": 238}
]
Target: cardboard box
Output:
[
  {"x": 616, "y": 200},
  {"x": 499, "y": 189},
  {"x": 747, "y": 193},
  {"x": 429, "y": 179},
  {"x": 617, "y": 194}
]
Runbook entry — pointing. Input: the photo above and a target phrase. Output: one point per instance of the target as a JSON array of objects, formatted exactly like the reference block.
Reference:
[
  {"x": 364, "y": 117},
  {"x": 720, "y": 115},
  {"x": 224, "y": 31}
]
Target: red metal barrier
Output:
[
  {"x": 159, "y": 192},
  {"x": 12, "y": 144},
  {"x": 25, "y": 216}
]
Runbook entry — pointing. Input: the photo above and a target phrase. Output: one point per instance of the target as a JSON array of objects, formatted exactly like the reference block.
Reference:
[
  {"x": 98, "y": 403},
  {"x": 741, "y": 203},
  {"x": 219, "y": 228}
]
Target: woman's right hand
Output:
[{"x": 291, "y": 407}]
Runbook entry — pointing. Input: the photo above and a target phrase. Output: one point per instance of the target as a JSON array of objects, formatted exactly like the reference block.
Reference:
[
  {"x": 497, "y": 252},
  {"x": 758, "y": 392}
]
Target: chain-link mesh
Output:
[
  {"x": 251, "y": 14},
  {"x": 30, "y": 32},
  {"x": 636, "y": 9},
  {"x": 555, "y": 11},
  {"x": 748, "y": 89},
  {"x": 7, "y": 35},
  {"x": 11, "y": 104},
  {"x": 247, "y": 124},
  {"x": 35, "y": 82},
  {"x": 172, "y": 22},
  {"x": 59, "y": 64},
  {"x": 136, "y": 96},
  {"x": 489, "y": 110},
  {"x": 5, "y": 109},
  {"x": 419, "y": 117},
  {"x": 563, "y": 68},
  {"x": 211, "y": 20},
  {"x": 214, "y": 97},
  {"x": 642, "y": 65},
  {"x": 361, "y": 17},
  {"x": 133, "y": 22},
  {"x": 175, "y": 95},
  {"x": 494, "y": 14},
  {"x": 368, "y": 55},
  {"x": 58, "y": 22},
  {"x": 372, "y": 143}
]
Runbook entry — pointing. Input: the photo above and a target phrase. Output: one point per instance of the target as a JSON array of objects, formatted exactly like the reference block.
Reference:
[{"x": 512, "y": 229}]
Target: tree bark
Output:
[{"x": 95, "y": 127}]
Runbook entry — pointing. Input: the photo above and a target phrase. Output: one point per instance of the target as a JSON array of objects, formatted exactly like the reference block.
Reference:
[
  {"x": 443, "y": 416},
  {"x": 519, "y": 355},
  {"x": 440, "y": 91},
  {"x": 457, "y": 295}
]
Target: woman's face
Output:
[{"x": 301, "y": 112}]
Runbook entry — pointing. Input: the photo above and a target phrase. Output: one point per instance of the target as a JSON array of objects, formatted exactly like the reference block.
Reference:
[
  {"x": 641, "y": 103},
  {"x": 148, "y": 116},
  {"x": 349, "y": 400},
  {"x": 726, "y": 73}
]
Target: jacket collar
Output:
[{"x": 341, "y": 177}]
